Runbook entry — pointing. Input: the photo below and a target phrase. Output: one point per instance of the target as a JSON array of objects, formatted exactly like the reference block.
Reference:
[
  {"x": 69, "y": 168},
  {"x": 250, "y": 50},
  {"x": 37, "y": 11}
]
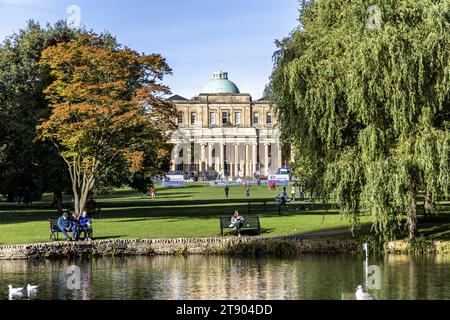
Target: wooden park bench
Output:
[
  {"x": 54, "y": 230},
  {"x": 250, "y": 223}
]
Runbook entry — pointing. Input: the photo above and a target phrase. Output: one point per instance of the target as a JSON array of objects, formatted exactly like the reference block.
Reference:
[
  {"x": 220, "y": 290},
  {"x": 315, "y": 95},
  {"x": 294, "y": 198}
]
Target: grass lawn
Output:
[{"x": 181, "y": 212}]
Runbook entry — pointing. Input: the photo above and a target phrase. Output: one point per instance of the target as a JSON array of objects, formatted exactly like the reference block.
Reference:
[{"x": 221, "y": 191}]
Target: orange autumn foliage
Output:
[{"x": 106, "y": 105}]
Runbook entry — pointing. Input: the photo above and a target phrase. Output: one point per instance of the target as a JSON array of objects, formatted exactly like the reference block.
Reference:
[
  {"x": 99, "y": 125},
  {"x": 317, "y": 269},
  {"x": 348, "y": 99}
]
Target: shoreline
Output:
[{"x": 231, "y": 246}]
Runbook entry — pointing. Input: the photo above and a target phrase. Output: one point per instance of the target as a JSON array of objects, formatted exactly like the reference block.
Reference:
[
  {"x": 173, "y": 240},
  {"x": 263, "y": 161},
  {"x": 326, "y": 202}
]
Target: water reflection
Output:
[{"x": 200, "y": 277}]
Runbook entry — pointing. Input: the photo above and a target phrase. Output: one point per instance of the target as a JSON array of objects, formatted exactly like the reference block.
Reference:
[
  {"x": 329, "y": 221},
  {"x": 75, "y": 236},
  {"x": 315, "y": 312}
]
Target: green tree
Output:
[
  {"x": 24, "y": 164},
  {"x": 363, "y": 92},
  {"x": 107, "y": 109}
]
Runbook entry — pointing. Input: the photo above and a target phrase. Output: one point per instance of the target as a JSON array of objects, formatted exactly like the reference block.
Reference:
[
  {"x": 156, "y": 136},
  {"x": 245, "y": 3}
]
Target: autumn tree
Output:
[
  {"x": 107, "y": 109},
  {"x": 362, "y": 88}
]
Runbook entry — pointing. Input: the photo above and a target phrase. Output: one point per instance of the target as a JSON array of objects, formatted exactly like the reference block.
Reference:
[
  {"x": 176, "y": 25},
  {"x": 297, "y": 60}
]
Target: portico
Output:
[{"x": 225, "y": 131}]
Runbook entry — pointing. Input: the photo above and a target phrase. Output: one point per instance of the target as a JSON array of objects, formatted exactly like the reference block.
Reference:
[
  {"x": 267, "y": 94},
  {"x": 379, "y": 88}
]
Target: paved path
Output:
[
  {"x": 318, "y": 234},
  {"x": 322, "y": 234}
]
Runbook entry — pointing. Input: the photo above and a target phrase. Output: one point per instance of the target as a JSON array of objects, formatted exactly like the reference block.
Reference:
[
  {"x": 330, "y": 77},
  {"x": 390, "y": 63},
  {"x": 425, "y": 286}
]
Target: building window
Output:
[
  {"x": 255, "y": 117},
  {"x": 212, "y": 118},
  {"x": 180, "y": 117},
  {"x": 224, "y": 117},
  {"x": 193, "y": 118},
  {"x": 269, "y": 118},
  {"x": 237, "y": 118}
]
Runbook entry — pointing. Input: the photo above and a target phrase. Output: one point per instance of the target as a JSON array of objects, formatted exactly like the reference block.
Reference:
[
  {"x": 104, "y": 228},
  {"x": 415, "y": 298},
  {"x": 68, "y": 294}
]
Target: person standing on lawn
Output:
[
  {"x": 293, "y": 192},
  {"x": 153, "y": 192},
  {"x": 227, "y": 190}
]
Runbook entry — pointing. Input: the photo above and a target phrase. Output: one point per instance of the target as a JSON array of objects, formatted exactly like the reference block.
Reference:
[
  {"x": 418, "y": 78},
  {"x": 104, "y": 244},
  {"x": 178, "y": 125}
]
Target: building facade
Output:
[{"x": 224, "y": 132}]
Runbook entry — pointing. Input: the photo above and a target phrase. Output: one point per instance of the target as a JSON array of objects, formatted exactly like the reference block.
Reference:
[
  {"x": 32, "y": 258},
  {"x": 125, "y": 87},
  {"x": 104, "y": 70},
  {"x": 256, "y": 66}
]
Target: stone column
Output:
[
  {"x": 174, "y": 158},
  {"x": 201, "y": 161},
  {"x": 189, "y": 159},
  {"x": 254, "y": 157},
  {"x": 222, "y": 157},
  {"x": 266, "y": 159},
  {"x": 236, "y": 159},
  {"x": 247, "y": 161},
  {"x": 210, "y": 162}
]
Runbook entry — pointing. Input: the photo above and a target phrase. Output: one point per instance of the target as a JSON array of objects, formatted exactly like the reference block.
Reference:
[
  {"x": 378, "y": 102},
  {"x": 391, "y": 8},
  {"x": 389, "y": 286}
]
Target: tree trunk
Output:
[
  {"x": 81, "y": 185},
  {"x": 11, "y": 197},
  {"x": 57, "y": 195},
  {"x": 413, "y": 213},
  {"x": 76, "y": 198}
]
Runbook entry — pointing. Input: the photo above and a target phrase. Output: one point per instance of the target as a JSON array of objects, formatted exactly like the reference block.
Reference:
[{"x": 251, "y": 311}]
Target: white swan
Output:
[
  {"x": 15, "y": 296},
  {"x": 361, "y": 295},
  {"x": 31, "y": 288},
  {"x": 14, "y": 291}
]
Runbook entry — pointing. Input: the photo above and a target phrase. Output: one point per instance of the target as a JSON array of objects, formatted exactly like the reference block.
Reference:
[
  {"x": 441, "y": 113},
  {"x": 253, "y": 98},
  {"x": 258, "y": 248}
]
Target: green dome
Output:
[{"x": 220, "y": 84}]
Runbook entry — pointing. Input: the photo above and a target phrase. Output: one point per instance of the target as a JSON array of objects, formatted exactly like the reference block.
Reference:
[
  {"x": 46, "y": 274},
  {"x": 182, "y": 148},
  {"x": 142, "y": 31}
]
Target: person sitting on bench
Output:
[
  {"x": 65, "y": 225},
  {"x": 236, "y": 222},
  {"x": 86, "y": 225}
]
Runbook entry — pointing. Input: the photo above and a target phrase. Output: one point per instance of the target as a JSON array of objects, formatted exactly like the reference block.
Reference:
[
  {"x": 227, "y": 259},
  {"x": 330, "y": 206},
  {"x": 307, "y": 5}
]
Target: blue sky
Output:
[{"x": 197, "y": 37}]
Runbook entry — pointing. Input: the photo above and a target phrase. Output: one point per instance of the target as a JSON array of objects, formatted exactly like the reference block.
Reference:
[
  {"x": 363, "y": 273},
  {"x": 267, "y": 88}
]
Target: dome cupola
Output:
[{"x": 220, "y": 84}]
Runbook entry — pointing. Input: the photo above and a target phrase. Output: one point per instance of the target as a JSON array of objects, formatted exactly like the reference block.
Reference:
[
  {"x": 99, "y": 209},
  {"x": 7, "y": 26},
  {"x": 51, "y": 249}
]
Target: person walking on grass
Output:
[
  {"x": 293, "y": 192},
  {"x": 247, "y": 191},
  {"x": 153, "y": 192},
  {"x": 283, "y": 197},
  {"x": 227, "y": 190}
]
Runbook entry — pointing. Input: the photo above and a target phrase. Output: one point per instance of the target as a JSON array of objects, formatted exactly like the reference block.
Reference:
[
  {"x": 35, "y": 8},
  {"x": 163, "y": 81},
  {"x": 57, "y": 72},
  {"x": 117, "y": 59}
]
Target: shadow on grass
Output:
[{"x": 109, "y": 237}]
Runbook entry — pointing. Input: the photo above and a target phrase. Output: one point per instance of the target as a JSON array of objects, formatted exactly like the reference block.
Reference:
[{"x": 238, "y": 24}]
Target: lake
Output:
[{"x": 321, "y": 277}]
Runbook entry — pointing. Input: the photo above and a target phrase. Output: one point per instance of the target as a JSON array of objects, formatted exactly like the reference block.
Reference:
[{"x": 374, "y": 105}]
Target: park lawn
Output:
[
  {"x": 177, "y": 227},
  {"x": 192, "y": 211}
]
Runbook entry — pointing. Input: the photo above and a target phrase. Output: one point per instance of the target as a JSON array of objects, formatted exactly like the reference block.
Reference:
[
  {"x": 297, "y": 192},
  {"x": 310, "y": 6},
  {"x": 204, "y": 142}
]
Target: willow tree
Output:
[
  {"x": 362, "y": 88},
  {"x": 107, "y": 108}
]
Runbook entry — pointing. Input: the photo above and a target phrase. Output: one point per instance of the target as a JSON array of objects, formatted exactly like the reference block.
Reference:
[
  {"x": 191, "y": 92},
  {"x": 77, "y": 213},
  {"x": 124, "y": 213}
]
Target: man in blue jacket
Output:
[
  {"x": 86, "y": 225},
  {"x": 65, "y": 225}
]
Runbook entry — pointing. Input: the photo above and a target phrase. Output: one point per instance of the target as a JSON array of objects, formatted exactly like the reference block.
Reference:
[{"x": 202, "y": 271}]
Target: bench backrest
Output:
[
  {"x": 248, "y": 220},
  {"x": 53, "y": 225}
]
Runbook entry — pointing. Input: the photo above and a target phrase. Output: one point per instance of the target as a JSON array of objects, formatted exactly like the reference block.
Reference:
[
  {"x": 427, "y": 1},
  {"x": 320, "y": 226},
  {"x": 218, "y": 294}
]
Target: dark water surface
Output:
[{"x": 330, "y": 277}]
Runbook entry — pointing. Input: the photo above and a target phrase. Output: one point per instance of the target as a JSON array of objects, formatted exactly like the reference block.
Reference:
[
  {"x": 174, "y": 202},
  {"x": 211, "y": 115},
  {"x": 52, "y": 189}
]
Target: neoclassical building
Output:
[{"x": 225, "y": 131}]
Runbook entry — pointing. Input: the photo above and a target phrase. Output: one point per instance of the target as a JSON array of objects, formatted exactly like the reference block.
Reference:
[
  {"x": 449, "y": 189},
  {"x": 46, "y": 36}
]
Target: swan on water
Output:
[
  {"x": 14, "y": 291},
  {"x": 361, "y": 295}
]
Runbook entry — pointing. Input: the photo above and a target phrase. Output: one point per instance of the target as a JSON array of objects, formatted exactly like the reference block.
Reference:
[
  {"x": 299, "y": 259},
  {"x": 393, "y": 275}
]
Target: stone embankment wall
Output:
[{"x": 209, "y": 246}]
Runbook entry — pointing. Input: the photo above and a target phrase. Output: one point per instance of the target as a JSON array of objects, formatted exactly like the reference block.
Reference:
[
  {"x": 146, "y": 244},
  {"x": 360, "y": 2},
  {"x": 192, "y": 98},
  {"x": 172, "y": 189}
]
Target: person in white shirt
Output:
[{"x": 293, "y": 192}]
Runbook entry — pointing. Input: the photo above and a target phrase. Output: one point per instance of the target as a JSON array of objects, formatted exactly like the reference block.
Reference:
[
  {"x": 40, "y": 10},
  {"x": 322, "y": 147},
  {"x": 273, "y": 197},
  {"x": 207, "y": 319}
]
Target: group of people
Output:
[
  {"x": 246, "y": 186},
  {"x": 76, "y": 225},
  {"x": 284, "y": 198}
]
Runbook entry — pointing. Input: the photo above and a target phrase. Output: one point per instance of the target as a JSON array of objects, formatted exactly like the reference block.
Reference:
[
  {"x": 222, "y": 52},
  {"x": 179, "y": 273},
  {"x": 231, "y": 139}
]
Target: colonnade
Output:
[{"x": 235, "y": 159}]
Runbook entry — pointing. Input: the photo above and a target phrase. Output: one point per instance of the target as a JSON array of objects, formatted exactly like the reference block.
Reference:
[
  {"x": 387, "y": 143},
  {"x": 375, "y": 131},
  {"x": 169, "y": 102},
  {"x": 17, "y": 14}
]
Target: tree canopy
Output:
[
  {"x": 107, "y": 109},
  {"x": 24, "y": 164},
  {"x": 364, "y": 97}
]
